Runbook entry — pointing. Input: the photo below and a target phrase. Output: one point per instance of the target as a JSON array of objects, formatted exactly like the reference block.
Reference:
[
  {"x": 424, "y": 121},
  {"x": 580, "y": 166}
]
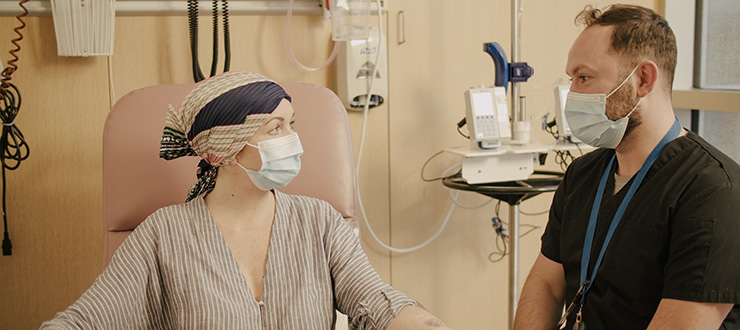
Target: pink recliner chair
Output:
[{"x": 136, "y": 182}]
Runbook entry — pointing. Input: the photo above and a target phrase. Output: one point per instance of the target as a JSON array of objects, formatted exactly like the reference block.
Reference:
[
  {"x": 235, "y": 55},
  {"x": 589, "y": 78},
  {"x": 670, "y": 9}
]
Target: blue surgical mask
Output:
[
  {"x": 281, "y": 162},
  {"x": 586, "y": 117}
]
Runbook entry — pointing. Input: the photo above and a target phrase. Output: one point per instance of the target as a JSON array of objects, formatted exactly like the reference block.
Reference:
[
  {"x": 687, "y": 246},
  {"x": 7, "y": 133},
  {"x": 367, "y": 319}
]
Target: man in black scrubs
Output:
[{"x": 643, "y": 232}]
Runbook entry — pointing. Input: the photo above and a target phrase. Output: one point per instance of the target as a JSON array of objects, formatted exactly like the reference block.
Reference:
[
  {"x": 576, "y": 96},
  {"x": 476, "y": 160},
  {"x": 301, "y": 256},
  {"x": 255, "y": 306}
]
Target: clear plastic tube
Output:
[{"x": 290, "y": 49}]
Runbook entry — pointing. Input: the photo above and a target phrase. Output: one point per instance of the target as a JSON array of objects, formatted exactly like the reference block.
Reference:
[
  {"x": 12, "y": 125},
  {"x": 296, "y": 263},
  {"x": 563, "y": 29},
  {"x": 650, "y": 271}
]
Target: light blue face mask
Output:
[
  {"x": 586, "y": 117},
  {"x": 281, "y": 162}
]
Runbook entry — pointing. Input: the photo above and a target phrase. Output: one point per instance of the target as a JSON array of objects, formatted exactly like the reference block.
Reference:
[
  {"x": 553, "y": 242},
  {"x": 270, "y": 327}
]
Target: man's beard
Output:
[{"x": 619, "y": 104}]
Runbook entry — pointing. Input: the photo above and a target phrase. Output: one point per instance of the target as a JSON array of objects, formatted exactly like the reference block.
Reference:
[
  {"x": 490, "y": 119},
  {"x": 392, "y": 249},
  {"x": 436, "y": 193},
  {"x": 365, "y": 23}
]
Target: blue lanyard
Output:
[{"x": 588, "y": 241}]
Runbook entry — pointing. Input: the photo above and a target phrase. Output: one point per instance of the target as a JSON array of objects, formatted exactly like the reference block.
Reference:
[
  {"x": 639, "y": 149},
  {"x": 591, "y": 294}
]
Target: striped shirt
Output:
[{"x": 175, "y": 271}]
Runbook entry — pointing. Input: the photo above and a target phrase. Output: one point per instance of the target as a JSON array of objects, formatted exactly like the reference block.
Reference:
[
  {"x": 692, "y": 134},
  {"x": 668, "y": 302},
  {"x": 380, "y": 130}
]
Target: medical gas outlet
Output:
[{"x": 355, "y": 64}]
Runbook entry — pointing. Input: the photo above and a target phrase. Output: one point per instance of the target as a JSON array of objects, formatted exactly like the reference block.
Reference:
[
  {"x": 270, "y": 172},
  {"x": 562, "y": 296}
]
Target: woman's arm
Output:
[
  {"x": 368, "y": 301},
  {"x": 415, "y": 318}
]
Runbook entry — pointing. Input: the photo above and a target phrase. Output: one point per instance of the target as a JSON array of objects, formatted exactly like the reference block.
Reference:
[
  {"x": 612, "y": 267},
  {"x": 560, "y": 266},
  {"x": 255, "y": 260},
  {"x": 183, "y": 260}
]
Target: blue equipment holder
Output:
[{"x": 506, "y": 72}]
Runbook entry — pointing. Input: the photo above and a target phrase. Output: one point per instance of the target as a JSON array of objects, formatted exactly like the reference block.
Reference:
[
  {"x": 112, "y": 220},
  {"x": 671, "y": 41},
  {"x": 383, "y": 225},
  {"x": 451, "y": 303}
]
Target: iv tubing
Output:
[
  {"x": 111, "y": 89},
  {"x": 334, "y": 51},
  {"x": 359, "y": 158}
]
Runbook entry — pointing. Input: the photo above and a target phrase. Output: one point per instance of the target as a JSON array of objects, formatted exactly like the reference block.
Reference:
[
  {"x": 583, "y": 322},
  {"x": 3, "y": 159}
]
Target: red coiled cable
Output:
[{"x": 12, "y": 67}]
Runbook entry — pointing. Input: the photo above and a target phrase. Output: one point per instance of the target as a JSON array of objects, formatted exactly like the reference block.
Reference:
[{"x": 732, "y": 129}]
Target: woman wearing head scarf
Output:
[{"x": 239, "y": 254}]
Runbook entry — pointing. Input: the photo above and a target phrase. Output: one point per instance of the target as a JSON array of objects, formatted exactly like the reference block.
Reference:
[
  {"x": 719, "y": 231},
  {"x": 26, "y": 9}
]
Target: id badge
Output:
[{"x": 574, "y": 306}]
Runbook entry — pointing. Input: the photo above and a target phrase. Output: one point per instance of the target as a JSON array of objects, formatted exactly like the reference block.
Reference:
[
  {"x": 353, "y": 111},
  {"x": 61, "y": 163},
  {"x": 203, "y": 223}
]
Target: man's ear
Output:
[{"x": 647, "y": 76}]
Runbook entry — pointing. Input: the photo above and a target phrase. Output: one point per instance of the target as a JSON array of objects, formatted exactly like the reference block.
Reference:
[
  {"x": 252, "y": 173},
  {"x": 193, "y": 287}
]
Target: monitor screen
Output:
[{"x": 482, "y": 104}]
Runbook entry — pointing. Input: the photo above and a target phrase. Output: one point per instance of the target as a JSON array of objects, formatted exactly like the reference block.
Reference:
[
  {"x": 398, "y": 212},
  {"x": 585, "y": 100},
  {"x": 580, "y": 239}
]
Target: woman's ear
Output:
[{"x": 647, "y": 75}]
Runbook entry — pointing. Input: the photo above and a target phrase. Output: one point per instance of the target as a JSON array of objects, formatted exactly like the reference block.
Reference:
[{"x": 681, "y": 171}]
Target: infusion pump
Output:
[
  {"x": 488, "y": 159},
  {"x": 487, "y": 117}
]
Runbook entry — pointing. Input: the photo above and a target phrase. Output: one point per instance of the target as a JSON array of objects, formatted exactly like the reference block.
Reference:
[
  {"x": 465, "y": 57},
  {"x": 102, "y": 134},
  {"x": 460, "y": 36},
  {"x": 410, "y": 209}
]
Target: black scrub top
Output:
[{"x": 679, "y": 237}]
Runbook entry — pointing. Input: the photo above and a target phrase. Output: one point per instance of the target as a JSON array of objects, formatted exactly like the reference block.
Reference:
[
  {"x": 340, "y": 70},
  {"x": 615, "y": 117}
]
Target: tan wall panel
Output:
[
  {"x": 54, "y": 201},
  {"x": 441, "y": 58},
  {"x": 374, "y": 185}
]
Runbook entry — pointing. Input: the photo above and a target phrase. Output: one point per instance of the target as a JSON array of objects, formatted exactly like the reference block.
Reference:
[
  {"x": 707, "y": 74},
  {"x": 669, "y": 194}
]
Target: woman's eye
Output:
[
  {"x": 292, "y": 124},
  {"x": 274, "y": 130},
  {"x": 583, "y": 78}
]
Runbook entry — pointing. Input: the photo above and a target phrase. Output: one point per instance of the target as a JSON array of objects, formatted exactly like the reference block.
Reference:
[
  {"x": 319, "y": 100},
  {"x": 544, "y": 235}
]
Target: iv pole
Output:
[{"x": 514, "y": 208}]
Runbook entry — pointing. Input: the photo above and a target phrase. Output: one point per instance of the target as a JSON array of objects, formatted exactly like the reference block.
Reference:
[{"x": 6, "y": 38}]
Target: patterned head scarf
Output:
[{"x": 216, "y": 120}]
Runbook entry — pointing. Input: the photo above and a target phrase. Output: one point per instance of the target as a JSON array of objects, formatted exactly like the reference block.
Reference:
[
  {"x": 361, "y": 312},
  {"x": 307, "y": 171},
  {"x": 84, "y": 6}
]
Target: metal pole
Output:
[
  {"x": 522, "y": 108},
  {"x": 515, "y": 57},
  {"x": 513, "y": 262},
  {"x": 514, "y": 209}
]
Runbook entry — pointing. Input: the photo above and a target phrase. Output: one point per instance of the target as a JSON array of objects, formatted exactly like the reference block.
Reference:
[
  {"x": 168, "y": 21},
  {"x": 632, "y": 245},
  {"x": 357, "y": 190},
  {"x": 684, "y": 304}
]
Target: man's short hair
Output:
[{"x": 639, "y": 34}]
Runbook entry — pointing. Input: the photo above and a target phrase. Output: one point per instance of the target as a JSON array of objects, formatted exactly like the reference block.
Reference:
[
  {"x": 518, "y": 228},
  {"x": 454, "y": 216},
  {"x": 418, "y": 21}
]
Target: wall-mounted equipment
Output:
[
  {"x": 355, "y": 64},
  {"x": 84, "y": 27},
  {"x": 349, "y": 19}
]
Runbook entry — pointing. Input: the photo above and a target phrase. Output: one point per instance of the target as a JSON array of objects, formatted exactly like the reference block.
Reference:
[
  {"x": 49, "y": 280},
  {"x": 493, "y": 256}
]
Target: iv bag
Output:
[{"x": 349, "y": 19}]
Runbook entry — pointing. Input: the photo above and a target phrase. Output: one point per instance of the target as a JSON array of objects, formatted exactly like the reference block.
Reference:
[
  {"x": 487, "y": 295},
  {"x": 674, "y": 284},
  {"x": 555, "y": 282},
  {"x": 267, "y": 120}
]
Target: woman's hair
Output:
[{"x": 639, "y": 34}]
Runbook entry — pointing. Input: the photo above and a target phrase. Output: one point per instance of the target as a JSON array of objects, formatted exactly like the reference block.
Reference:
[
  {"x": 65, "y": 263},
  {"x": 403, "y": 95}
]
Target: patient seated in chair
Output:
[{"x": 239, "y": 254}]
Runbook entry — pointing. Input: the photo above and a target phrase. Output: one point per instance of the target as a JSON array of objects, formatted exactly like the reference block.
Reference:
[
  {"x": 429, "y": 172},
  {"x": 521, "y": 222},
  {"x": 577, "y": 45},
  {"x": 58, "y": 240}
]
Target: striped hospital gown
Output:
[{"x": 175, "y": 271}]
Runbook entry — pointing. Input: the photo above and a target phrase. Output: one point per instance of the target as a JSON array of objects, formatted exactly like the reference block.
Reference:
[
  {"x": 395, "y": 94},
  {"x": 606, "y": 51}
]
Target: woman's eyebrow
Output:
[{"x": 275, "y": 118}]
